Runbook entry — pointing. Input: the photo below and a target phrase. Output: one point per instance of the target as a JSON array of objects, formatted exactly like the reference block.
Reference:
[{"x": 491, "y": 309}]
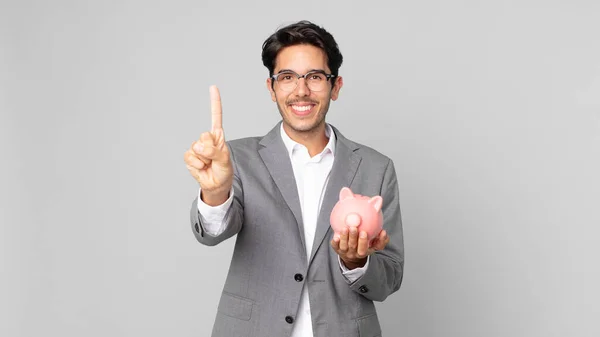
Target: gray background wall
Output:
[{"x": 490, "y": 109}]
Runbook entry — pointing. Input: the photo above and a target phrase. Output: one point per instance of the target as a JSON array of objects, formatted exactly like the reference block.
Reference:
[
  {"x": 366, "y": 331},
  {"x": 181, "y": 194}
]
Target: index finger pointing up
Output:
[{"x": 215, "y": 107}]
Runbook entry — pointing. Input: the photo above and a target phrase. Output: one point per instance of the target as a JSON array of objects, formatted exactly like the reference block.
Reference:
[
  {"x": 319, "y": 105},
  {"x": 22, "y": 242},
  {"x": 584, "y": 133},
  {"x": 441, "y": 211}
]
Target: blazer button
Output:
[
  {"x": 289, "y": 319},
  {"x": 363, "y": 289},
  {"x": 298, "y": 277}
]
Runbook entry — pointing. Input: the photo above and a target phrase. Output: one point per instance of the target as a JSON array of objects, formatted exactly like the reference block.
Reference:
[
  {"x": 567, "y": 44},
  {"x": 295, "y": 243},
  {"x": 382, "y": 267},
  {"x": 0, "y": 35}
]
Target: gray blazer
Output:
[{"x": 269, "y": 264}]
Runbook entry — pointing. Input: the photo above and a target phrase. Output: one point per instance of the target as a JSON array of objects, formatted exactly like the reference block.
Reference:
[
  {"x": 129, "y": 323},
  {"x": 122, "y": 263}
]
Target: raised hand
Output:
[{"x": 208, "y": 159}]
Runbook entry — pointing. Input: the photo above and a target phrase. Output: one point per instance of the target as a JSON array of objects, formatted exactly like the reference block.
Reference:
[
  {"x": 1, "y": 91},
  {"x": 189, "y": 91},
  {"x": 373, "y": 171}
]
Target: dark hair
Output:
[{"x": 303, "y": 32}]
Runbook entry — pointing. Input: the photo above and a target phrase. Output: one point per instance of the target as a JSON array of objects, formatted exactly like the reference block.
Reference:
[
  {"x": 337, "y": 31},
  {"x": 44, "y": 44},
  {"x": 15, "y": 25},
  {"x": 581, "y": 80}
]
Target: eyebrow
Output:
[{"x": 289, "y": 70}]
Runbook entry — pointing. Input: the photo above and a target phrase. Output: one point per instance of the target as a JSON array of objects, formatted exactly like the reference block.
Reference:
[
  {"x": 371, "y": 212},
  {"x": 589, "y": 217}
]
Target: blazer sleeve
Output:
[
  {"x": 386, "y": 267},
  {"x": 234, "y": 217}
]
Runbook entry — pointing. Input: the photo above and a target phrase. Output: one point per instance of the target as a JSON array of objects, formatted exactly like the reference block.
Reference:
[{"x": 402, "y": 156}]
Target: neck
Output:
[{"x": 314, "y": 140}]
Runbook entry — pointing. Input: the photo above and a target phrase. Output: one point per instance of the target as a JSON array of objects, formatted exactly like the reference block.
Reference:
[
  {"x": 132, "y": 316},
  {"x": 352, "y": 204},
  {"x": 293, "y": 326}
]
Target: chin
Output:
[{"x": 302, "y": 125}]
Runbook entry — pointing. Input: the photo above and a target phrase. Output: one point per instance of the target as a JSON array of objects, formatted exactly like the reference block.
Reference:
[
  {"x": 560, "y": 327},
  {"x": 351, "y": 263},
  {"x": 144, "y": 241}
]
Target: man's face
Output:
[{"x": 302, "y": 109}]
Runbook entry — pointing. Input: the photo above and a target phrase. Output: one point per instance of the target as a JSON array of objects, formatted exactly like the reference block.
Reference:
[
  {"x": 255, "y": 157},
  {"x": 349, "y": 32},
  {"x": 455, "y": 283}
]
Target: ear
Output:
[
  {"x": 377, "y": 202},
  {"x": 345, "y": 193},
  {"x": 337, "y": 86},
  {"x": 273, "y": 97}
]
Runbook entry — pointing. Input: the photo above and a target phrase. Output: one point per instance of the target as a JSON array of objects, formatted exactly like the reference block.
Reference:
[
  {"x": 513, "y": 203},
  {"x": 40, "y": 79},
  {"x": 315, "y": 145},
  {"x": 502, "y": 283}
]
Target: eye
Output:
[{"x": 285, "y": 77}]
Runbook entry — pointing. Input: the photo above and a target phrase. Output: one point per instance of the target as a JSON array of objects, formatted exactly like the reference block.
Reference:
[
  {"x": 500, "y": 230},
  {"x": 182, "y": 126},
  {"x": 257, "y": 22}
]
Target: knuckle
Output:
[
  {"x": 206, "y": 137},
  {"x": 203, "y": 159},
  {"x": 209, "y": 151},
  {"x": 189, "y": 158}
]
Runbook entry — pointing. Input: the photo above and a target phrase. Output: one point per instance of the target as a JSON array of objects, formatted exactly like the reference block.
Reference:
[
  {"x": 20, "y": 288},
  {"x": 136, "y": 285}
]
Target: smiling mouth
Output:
[{"x": 302, "y": 108}]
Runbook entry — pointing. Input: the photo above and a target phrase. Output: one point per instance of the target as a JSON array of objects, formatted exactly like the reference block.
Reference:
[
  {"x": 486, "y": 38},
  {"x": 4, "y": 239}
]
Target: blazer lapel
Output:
[
  {"x": 342, "y": 173},
  {"x": 277, "y": 160}
]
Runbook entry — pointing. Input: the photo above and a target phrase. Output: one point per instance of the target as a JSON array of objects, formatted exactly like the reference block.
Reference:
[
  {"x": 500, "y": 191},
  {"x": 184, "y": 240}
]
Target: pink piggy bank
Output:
[{"x": 358, "y": 211}]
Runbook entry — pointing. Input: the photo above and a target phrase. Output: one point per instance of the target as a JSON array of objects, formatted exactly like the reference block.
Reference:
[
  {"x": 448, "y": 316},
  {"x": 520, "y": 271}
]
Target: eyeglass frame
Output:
[{"x": 298, "y": 77}]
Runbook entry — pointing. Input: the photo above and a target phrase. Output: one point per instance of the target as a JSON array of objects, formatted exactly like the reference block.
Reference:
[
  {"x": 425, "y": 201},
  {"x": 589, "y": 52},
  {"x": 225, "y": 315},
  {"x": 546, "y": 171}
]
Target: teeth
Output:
[{"x": 302, "y": 108}]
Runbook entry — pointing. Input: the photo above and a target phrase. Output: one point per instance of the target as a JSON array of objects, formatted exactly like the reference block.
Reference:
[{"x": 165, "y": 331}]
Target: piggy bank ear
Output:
[
  {"x": 377, "y": 202},
  {"x": 345, "y": 193}
]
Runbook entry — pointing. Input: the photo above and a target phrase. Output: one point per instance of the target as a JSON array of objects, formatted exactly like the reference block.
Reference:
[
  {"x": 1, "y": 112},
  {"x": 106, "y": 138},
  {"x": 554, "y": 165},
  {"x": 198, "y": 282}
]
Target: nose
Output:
[{"x": 302, "y": 88}]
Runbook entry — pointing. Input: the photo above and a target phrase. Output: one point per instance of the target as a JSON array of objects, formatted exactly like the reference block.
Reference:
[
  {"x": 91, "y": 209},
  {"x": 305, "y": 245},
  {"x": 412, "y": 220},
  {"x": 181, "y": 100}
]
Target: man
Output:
[{"x": 290, "y": 275}]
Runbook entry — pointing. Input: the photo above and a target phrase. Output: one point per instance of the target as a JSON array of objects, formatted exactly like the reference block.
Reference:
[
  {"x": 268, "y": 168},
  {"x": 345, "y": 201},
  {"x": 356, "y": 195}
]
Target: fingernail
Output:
[
  {"x": 198, "y": 147},
  {"x": 363, "y": 235}
]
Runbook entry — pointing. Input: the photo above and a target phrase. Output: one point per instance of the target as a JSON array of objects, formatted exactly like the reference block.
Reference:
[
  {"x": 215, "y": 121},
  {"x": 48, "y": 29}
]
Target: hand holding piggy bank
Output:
[{"x": 357, "y": 210}]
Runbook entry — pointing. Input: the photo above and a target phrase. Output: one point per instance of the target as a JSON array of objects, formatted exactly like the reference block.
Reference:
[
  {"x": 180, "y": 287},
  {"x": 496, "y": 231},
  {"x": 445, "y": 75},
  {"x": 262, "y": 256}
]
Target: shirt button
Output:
[
  {"x": 289, "y": 319},
  {"x": 298, "y": 277}
]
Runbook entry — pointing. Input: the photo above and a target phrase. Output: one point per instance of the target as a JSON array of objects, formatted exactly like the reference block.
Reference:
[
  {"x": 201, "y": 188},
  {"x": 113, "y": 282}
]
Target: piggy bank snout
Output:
[{"x": 353, "y": 219}]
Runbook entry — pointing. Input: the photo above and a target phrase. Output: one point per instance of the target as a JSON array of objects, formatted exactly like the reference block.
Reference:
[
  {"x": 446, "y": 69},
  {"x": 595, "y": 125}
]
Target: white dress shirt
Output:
[{"x": 311, "y": 176}]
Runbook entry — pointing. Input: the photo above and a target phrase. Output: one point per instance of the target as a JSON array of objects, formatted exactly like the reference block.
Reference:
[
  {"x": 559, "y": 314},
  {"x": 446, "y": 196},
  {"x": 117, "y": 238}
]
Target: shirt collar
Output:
[{"x": 291, "y": 145}]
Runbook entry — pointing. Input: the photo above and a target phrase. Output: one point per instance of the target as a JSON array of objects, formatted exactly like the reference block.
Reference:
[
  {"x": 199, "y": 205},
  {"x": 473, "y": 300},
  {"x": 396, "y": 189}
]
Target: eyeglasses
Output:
[{"x": 315, "y": 80}]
